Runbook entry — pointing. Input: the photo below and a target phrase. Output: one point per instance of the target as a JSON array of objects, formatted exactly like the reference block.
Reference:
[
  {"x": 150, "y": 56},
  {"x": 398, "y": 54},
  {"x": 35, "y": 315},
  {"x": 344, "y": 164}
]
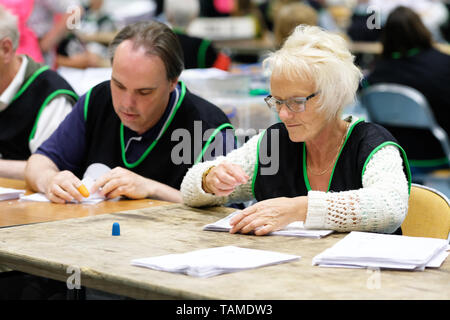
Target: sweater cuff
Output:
[{"x": 317, "y": 210}]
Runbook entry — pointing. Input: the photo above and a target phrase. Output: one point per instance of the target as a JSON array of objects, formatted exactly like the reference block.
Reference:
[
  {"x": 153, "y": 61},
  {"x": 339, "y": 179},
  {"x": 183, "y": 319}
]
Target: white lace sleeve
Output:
[
  {"x": 379, "y": 206},
  {"x": 191, "y": 187}
]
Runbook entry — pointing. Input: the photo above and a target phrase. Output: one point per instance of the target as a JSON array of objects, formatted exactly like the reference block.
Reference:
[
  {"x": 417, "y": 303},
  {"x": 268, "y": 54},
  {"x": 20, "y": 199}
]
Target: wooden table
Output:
[
  {"x": 86, "y": 244},
  {"x": 15, "y": 212}
]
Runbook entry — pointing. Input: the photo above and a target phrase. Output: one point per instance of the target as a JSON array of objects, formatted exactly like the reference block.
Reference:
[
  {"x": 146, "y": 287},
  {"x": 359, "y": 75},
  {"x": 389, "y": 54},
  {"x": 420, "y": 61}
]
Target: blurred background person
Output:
[
  {"x": 291, "y": 15},
  {"x": 409, "y": 58},
  {"x": 77, "y": 52},
  {"x": 198, "y": 52},
  {"x": 51, "y": 20},
  {"x": 28, "y": 41}
]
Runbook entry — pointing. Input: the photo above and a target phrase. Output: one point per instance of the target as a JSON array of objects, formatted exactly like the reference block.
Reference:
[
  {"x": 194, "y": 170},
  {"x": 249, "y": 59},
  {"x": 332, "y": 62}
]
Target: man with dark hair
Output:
[
  {"x": 33, "y": 101},
  {"x": 129, "y": 124}
]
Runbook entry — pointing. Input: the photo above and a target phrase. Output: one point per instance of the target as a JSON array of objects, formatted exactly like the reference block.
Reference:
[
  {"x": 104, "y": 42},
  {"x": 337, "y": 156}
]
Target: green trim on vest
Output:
[
  {"x": 405, "y": 159},
  {"x": 29, "y": 81},
  {"x": 410, "y": 53},
  {"x": 305, "y": 174},
  {"x": 255, "y": 171},
  {"x": 86, "y": 104},
  {"x": 46, "y": 102},
  {"x": 428, "y": 163},
  {"x": 211, "y": 138},
  {"x": 150, "y": 148},
  {"x": 201, "y": 55}
]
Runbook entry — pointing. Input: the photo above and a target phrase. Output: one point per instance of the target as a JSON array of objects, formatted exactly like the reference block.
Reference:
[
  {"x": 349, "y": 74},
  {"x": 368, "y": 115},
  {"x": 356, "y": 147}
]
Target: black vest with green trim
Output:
[
  {"x": 18, "y": 121},
  {"x": 104, "y": 142},
  {"x": 291, "y": 180}
]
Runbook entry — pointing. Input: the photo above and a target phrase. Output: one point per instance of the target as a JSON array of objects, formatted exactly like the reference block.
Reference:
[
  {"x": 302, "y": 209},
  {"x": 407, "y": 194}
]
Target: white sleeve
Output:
[
  {"x": 50, "y": 118},
  {"x": 191, "y": 187},
  {"x": 379, "y": 206}
]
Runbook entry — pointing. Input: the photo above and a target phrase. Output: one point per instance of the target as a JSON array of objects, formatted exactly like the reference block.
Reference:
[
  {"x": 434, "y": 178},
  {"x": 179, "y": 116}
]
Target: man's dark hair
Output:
[{"x": 157, "y": 39}]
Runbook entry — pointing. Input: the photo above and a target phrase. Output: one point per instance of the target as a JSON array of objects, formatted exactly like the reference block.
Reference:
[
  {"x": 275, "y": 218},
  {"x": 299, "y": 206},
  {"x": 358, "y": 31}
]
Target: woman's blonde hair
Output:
[{"x": 313, "y": 54}]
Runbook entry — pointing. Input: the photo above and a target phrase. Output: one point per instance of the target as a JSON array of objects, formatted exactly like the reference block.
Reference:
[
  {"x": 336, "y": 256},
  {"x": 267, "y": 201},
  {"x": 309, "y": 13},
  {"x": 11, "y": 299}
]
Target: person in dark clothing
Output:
[
  {"x": 198, "y": 52},
  {"x": 33, "y": 101},
  {"x": 131, "y": 124},
  {"x": 409, "y": 59}
]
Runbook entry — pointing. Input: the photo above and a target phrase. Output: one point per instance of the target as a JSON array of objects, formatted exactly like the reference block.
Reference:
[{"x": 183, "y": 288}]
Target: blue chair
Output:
[{"x": 400, "y": 109}]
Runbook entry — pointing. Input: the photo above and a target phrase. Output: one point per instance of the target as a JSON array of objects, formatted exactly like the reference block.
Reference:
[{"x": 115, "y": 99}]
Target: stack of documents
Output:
[
  {"x": 363, "y": 249},
  {"x": 210, "y": 262},
  {"x": 9, "y": 193},
  {"x": 294, "y": 229}
]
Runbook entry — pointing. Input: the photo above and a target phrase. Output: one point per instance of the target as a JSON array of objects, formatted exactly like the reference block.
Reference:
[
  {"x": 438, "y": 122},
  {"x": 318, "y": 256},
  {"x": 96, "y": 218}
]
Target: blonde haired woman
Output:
[{"x": 331, "y": 173}]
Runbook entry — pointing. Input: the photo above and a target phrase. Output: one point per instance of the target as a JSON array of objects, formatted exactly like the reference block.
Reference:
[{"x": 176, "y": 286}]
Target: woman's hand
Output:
[
  {"x": 270, "y": 215},
  {"x": 224, "y": 178}
]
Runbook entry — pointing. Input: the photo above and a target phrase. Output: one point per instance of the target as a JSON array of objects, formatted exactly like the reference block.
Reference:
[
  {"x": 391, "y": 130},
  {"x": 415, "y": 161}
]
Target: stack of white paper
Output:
[
  {"x": 210, "y": 262},
  {"x": 294, "y": 229},
  {"x": 10, "y": 193},
  {"x": 363, "y": 249}
]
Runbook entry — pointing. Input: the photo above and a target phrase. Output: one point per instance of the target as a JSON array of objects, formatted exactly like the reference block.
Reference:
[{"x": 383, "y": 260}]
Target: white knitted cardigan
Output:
[{"x": 379, "y": 206}]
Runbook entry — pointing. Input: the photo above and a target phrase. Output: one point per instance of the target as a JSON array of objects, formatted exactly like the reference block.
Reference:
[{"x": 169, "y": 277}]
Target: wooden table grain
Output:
[
  {"x": 57, "y": 248},
  {"x": 15, "y": 212}
]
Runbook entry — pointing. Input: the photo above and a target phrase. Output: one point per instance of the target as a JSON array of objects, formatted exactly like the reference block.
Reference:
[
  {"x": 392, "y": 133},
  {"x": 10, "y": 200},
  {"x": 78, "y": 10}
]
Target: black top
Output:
[
  {"x": 158, "y": 162},
  {"x": 198, "y": 53},
  {"x": 289, "y": 177},
  {"x": 19, "y": 120},
  {"x": 428, "y": 72}
]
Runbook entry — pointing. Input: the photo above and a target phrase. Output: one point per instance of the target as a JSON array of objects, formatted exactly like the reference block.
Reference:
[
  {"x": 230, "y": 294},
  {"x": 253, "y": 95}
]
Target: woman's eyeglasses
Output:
[{"x": 295, "y": 104}]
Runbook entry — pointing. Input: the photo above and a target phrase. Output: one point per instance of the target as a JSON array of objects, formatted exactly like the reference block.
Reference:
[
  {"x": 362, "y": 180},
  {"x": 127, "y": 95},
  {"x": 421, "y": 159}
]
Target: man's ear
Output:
[
  {"x": 173, "y": 84},
  {"x": 7, "y": 51}
]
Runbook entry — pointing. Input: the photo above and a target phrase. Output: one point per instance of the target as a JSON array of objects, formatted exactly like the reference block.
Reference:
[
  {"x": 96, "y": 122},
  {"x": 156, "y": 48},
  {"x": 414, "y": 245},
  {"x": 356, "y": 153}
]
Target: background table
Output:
[{"x": 49, "y": 249}]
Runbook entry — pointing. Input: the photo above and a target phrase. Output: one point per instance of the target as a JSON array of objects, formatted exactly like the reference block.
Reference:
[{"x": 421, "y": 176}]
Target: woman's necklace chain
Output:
[{"x": 334, "y": 160}]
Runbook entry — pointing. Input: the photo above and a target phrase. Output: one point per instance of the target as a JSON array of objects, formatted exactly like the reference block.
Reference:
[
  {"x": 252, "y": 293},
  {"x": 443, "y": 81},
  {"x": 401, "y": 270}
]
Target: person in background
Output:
[
  {"x": 197, "y": 52},
  {"x": 409, "y": 59},
  {"x": 33, "y": 101},
  {"x": 314, "y": 166},
  {"x": 28, "y": 40},
  {"x": 132, "y": 124},
  {"x": 290, "y": 16},
  {"x": 51, "y": 20},
  {"x": 73, "y": 51}
]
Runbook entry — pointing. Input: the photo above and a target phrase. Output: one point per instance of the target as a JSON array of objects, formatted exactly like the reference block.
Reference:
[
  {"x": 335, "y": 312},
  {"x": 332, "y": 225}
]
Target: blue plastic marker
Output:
[{"x": 116, "y": 229}]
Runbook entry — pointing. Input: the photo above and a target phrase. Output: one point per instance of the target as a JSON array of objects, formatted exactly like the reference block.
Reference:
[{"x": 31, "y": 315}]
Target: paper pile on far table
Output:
[
  {"x": 363, "y": 249},
  {"x": 213, "y": 261}
]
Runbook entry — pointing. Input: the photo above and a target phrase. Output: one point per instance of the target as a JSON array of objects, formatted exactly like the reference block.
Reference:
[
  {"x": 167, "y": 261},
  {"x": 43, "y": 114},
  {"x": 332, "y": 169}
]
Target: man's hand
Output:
[{"x": 63, "y": 187}]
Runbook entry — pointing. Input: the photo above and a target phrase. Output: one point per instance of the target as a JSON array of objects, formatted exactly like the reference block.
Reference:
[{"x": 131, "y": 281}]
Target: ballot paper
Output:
[
  {"x": 10, "y": 193},
  {"x": 210, "y": 262},
  {"x": 294, "y": 229},
  {"x": 93, "y": 172},
  {"x": 373, "y": 250}
]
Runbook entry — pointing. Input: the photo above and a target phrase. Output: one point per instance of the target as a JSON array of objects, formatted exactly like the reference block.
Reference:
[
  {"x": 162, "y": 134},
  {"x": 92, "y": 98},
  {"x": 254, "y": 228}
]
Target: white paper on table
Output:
[
  {"x": 214, "y": 261},
  {"x": 294, "y": 229},
  {"x": 384, "y": 251},
  {"x": 10, "y": 193},
  {"x": 93, "y": 172}
]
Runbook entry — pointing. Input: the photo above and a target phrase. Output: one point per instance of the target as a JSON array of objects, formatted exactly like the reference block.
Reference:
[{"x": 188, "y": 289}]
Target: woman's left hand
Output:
[{"x": 270, "y": 215}]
